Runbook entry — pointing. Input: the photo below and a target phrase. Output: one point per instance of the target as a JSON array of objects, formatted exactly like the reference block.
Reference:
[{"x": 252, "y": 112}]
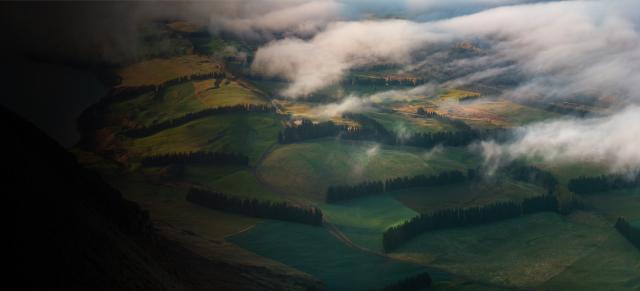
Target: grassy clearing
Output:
[
  {"x": 315, "y": 251},
  {"x": 466, "y": 195},
  {"x": 403, "y": 125},
  {"x": 567, "y": 171},
  {"x": 523, "y": 252},
  {"x": 514, "y": 114},
  {"x": 614, "y": 204},
  {"x": 489, "y": 113},
  {"x": 364, "y": 220},
  {"x": 307, "y": 110},
  {"x": 246, "y": 133},
  {"x": 244, "y": 184},
  {"x": 168, "y": 204},
  {"x": 184, "y": 98},
  {"x": 307, "y": 169},
  {"x": 229, "y": 93},
  {"x": 158, "y": 71},
  {"x": 613, "y": 265},
  {"x": 231, "y": 180},
  {"x": 203, "y": 175},
  {"x": 456, "y": 94}
]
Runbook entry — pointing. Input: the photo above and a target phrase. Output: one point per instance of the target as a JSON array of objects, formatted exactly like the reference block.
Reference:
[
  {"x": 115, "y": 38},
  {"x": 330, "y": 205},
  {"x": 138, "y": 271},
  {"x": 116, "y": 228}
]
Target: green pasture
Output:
[
  {"x": 429, "y": 199},
  {"x": 543, "y": 249},
  {"x": 619, "y": 203},
  {"x": 168, "y": 204},
  {"x": 316, "y": 251},
  {"x": 364, "y": 220},
  {"x": 403, "y": 125},
  {"x": 308, "y": 168},
  {"x": 184, "y": 98},
  {"x": 247, "y": 133}
]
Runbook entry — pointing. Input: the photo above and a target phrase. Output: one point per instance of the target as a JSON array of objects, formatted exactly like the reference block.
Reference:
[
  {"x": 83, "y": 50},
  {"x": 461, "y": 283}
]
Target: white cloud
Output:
[
  {"x": 323, "y": 60},
  {"x": 612, "y": 141},
  {"x": 348, "y": 104},
  {"x": 564, "y": 48},
  {"x": 263, "y": 19}
]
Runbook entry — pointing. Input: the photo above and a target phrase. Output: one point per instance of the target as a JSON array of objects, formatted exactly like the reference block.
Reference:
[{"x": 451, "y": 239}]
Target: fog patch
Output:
[
  {"x": 612, "y": 141},
  {"x": 433, "y": 152},
  {"x": 363, "y": 159},
  {"x": 333, "y": 110}
]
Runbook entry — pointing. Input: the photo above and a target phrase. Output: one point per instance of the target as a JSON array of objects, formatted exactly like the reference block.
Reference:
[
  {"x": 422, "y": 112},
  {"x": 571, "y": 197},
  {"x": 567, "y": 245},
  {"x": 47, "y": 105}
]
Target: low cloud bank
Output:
[
  {"x": 264, "y": 19},
  {"x": 357, "y": 104},
  {"x": 349, "y": 104},
  {"x": 563, "y": 48},
  {"x": 324, "y": 59},
  {"x": 613, "y": 141}
]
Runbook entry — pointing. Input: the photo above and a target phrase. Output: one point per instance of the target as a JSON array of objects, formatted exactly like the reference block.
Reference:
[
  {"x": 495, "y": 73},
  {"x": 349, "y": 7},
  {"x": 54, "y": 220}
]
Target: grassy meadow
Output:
[
  {"x": 308, "y": 168},
  {"x": 184, "y": 98},
  {"x": 160, "y": 70},
  {"x": 531, "y": 251},
  {"x": 405, "y": 125},
  {"x": 246, "y": 133},
  {"x": 316, "y": 251},
  {"x": 620, "y": 203},
  {"x": 167, "y": 203},
  {"x": 364, "y": 220},
  {"x": 466, "y": 195}
]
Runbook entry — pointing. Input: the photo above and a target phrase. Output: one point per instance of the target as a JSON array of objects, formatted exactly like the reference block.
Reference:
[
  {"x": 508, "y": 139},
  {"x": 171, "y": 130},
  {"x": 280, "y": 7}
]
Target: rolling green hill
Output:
[
  {"x": 544, "y": 250},
  {"x": 317, "y": 252},
  {"x": 309, "y": 168}
]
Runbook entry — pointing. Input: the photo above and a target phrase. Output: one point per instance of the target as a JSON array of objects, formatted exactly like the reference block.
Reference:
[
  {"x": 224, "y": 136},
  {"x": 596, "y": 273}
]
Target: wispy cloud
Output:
[{"x": 612, "y": 141}]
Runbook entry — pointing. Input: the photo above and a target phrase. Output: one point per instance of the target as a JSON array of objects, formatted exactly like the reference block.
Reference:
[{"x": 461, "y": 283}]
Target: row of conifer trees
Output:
[
  {"x": 371, "y": 130},
  {"x": 255, "y": 208},
  {"x": 157, "y": 127},
  {"x": 395, "y": 236},
  {"x": 347, "y": 192},
  {"x": 632, "y": 234},
  {"x": 590, "y": 185}
]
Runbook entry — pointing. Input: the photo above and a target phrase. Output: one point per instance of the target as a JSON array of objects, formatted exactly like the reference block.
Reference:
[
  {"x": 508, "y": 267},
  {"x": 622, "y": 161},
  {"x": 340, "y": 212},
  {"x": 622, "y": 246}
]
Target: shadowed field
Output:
[{"x": 309, "y": 168}]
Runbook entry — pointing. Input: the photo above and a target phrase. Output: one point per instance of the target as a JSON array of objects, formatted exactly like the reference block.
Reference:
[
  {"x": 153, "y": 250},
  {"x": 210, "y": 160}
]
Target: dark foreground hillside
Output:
[{"x": 72, "y": 231}]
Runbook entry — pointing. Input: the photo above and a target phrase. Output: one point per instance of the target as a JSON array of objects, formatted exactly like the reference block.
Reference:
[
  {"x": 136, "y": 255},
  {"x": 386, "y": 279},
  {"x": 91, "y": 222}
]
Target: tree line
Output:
[
  {"x": 383, "y": 81},
  {"x": 603, "y": 183},
  {"x": 432, "y": 114},
  {"x": 125, "y": 93},
  {"x": 306, "y": 129},
  {"x": 214, "y": 158},
  {"x": 368, "y": 188},
  {"x": 533, "y": 175},
  {"x": 416, "y": 282},
  {"x": 371, "y": 130},
  {"x": 255, "y": 208},
  {"x": 631, "y": 233},
  {"x": 157, "y": 127},
  {"x": 395, "y": 236},
  {"x": 92, "y": 118}
]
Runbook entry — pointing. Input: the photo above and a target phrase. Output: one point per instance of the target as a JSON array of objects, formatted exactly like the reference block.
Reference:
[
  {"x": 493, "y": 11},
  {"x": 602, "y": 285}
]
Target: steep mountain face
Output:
[{"x": 73, "y": 231}]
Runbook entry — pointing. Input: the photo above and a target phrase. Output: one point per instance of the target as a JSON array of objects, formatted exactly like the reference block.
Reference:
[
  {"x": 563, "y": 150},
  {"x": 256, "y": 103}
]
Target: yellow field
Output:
[
  {"x": 457, "y": 94},
  {"x": 228, "y": 93},
  {"x": 305, "y": 110},
  {"x": 158, "y": 71},
  {"x": 495, "y": 113}
]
